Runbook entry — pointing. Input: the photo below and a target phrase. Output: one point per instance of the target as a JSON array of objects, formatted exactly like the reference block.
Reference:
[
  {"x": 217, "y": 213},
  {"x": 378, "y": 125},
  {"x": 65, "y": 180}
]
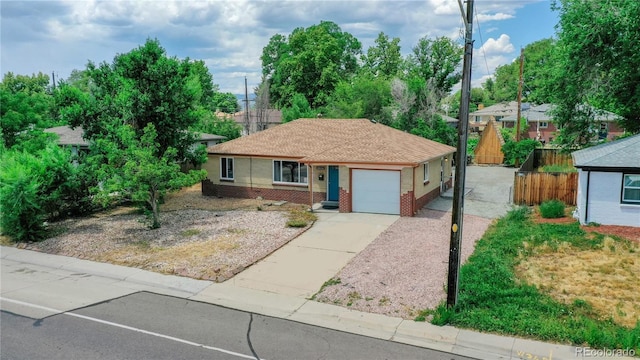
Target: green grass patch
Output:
[
  {"x": 557, "y": 168},
  {"x": 552, "y": 209},
  {"x": 491, "y": 298}
]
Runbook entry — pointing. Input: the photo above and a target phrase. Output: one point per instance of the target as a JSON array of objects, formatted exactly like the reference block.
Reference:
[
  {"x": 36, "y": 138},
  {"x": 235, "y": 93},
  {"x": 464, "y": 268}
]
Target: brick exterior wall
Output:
[
  {"x": 344, "y": 201},
  {"x": 424, "y": 200},
  {"x": 409, "y": 206},
  {"x": 294, "y": 196},
  {"x": 406, "y": 204}
]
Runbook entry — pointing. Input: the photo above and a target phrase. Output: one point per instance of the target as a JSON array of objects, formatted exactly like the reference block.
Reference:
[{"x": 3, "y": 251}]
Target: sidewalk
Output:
[{"x": 66, "y": 283}]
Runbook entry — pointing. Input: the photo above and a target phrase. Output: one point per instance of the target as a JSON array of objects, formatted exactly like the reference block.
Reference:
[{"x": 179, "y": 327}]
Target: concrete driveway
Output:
[
  {"x": 489, "y": 190},
  {"x": 301, "y": 267}
]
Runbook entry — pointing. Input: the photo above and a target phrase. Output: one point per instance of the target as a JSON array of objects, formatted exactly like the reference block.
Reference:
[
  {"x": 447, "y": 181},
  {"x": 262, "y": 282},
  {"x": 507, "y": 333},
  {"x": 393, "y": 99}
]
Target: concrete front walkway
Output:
[{"x": 301, "y": 267}]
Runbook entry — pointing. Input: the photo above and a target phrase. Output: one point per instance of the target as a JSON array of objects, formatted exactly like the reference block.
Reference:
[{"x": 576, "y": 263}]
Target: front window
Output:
[
  {"x": 631, "y": 189},
  {"x": 478, "y": 119},
  {"x": 426, "y": 172},
  {"x": 289, "y": 172},
  {"x": 544, "y": 124},
  {"x": 226, "y": 168}
]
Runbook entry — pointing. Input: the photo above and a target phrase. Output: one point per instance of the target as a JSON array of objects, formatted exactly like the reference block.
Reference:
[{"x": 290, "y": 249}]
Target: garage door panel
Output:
[{"x": 376, "y": 191}]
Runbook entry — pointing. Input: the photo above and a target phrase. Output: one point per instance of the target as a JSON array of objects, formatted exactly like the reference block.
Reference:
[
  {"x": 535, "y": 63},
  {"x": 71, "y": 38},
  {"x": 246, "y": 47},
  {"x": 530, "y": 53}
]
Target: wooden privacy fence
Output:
[{"x": 533, "y": 188}]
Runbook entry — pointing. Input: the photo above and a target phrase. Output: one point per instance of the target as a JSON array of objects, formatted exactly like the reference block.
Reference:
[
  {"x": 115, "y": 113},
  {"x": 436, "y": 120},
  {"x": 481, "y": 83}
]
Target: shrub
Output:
[
  {"x": 34, "y": 188},
  {"x": 518, "y": 150},
  {"x": 552, "y": 209},
  {"x": 22, "y": 216}
]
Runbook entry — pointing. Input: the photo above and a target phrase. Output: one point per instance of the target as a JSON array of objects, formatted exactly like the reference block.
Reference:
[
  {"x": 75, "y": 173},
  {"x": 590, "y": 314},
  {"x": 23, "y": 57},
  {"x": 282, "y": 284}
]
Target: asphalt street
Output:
[{"x": 150, "y": 326}]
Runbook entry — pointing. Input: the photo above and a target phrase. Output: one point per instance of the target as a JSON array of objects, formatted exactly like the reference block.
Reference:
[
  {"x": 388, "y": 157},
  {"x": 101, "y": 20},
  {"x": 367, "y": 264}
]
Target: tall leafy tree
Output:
[
  {"x": 438, "y": 61},
  {"x": 136, "y": 169},
  {"x": 141, "y": 87},
  {"x": 598, "y": 65},
  {"x": 299, "y": 109},
  {"x": 537, "y": 75},
  {"x": 225, "y": 102},
  {"x": 384, "y": 59},
  {"x": 27, "y": 109},
  {"x": 364, "y": 96},
  {"x": 436, "y": 129},
  {"x": 310, "y": 62}
]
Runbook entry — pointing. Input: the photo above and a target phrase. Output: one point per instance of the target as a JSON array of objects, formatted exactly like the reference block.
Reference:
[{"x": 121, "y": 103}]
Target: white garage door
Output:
[{"x": 376, "y": 191}]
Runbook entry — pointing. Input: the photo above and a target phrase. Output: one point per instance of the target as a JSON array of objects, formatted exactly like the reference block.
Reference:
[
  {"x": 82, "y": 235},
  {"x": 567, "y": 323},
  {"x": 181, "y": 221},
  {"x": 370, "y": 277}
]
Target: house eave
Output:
[{"x": 609, "y": 168}]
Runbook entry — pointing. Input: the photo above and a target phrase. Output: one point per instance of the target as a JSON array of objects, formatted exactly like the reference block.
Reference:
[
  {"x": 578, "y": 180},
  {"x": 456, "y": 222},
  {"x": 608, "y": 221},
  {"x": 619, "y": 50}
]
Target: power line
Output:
[{"x": 484, "y": 55}]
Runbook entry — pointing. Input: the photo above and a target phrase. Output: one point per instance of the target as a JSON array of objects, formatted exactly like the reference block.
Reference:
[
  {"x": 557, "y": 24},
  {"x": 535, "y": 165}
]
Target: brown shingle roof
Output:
[{"x": 336, "y": 141}]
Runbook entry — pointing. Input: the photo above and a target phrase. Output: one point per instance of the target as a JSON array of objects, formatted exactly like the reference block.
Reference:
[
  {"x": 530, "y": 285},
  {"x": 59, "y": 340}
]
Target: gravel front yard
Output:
[
  {"x": 405, "y": 269},
  {"x": 200, "y": 237}
]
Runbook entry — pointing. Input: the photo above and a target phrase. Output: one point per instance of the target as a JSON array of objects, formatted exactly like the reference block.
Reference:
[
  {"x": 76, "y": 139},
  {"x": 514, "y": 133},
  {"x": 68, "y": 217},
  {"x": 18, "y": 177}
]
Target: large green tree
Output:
[
  {"x": 597, "y": 65},
  {"x": 136, "y": 169},
  {"x": 364, "y": 96},
  {"x": 384, "y": 59},
  {"x": 437, "y": 61},
  {"x": 26, "y": 109},
  {"x": 537, "y": 75},
  {"x": 225, "y": 102},
  {"x": 310, "y": 62},
  {"x": 141, "y": 87}
]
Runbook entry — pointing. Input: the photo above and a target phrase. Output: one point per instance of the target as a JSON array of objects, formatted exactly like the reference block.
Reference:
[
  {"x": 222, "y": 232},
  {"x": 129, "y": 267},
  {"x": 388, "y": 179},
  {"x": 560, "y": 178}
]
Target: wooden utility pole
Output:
[
  {"x": 520, "y": 81},
  {"x": 461, "y": 159}
]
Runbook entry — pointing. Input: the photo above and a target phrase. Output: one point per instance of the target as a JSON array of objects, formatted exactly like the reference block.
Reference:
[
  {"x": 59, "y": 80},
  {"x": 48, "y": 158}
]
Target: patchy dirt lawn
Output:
[
  {"x": 606, "y": 279},
  {"x": 200, "y": 237}
]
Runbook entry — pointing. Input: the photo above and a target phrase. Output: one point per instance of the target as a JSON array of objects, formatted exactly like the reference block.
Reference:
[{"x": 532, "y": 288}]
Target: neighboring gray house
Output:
[
  {"x": 609, "y": 183},
  {"x": 73, "y": 138},
  {"x": 70, "y": 137}
]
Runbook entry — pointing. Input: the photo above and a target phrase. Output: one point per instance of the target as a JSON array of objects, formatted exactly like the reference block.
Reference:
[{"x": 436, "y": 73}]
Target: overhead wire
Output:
[{"x": 484, "y": 55}]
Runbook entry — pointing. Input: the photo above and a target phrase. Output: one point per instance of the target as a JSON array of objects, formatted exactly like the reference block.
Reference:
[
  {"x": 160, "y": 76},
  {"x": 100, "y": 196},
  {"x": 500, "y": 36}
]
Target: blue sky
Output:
[{"x": 59, "y": 36}]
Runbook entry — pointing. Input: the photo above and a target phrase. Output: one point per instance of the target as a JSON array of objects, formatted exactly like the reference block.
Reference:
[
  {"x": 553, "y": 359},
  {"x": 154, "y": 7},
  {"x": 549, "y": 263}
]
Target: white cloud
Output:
[
  {"x": 500, "y": 46},
  {"x": 228, "y": 34},
  {"x": 493, "y": 17}
]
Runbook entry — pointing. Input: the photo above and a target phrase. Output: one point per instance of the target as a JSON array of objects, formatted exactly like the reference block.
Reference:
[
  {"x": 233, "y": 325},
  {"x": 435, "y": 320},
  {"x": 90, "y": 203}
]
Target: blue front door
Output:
[{"x": 333, "y": 192}]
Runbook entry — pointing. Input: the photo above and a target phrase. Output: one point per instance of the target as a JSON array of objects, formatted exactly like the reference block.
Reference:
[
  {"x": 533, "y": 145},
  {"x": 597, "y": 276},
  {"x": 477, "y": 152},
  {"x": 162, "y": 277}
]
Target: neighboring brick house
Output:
[
  {"x": 609, "y": 183},
  {"x": 541, "y": 125},
  {"x": 361, "y": 165},
  {"x": 481, "y": 117}
]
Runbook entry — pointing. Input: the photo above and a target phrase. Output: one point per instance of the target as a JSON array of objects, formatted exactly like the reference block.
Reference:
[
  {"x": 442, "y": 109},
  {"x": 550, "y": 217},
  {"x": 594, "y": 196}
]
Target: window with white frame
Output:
[
  {"x": 544, "y": 124},
  {"x": 291, "y": 172},
  {"x": 426, "y": 172},
  {"x": 631, "y": 188},
  {"x": 226, "y": 168}
]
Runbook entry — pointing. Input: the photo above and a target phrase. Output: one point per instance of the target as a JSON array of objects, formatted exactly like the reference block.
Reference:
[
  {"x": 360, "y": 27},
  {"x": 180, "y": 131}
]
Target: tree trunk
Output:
[{"x": 153, "y": 201}]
